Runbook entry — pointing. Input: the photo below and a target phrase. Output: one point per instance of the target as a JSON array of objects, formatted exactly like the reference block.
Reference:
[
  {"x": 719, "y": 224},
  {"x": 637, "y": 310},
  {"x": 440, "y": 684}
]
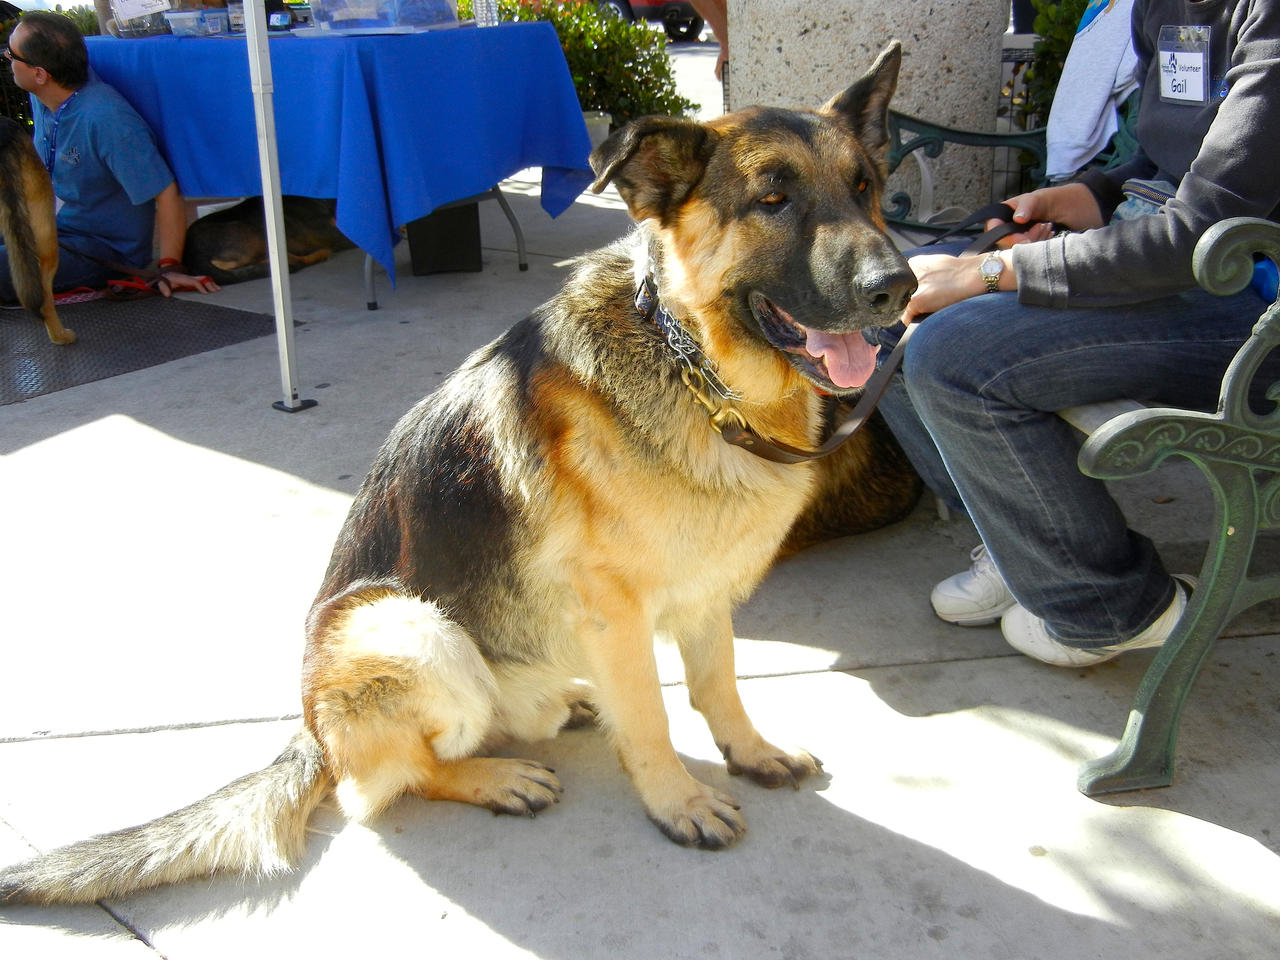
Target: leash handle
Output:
[{"x": 988, "y": 239}]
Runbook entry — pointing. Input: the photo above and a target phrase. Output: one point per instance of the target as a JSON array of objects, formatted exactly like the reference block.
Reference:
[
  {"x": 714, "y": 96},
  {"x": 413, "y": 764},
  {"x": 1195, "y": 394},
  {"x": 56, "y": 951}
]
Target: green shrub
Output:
[
  {"x": 1055, "y": 26},
  {"x": 620, "y": 68},
  {"x": 13, "y": 100},
  {"x": 85, "y": 17}
]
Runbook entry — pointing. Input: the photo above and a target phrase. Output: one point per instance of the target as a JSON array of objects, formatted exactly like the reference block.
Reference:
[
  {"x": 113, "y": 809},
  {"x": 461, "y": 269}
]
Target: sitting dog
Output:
[
  {"x": 528, "y": 528},
  {"x": 29, "y": 228},
  {"x": 230, "y": 245}
]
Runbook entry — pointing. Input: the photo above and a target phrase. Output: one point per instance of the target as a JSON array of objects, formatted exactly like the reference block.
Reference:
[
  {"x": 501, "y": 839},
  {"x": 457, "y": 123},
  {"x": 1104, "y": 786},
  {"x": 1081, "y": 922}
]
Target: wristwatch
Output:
[{"x": 991, "y": 267}]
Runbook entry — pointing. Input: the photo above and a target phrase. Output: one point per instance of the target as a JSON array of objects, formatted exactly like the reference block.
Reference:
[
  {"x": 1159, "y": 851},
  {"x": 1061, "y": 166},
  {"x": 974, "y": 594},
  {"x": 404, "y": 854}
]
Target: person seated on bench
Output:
[
  {"x": 105, "y": 166},
  {"x": 1010, "y": 337}
]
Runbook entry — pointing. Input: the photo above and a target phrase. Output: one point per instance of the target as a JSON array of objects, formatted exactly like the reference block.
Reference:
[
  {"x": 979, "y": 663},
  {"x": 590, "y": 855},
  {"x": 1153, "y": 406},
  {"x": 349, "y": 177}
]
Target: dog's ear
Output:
[
  {"x": 655, "y": 162},
  {"x": 865, "y": 105}
]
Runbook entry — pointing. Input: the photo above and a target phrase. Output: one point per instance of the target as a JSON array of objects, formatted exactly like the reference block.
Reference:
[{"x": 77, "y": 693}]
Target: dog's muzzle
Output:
[{"x": 843, "y": 360}]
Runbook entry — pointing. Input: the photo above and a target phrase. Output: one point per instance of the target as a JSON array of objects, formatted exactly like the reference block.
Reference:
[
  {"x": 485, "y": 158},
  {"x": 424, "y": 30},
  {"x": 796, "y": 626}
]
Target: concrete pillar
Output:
[{"x": 798, "y": 53}]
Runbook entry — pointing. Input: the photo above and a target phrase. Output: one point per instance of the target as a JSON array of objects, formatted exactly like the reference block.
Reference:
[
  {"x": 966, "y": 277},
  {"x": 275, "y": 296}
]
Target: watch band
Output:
[{"x": 991, "y": 267}]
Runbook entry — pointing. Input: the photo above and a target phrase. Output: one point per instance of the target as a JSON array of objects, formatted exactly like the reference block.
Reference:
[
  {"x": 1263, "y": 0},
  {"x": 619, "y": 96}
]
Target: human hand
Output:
[
  {"x": 1071, "y": 205},
  {"x": 174, "y": 278},
  {"x": 1039, "y": 230},
  {"x": 941, "y": 281}
]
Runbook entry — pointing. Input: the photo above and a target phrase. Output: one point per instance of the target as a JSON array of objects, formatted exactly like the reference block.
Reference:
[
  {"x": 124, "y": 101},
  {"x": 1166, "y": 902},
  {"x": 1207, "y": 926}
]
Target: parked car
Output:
[{"x": 677, "y": 17}]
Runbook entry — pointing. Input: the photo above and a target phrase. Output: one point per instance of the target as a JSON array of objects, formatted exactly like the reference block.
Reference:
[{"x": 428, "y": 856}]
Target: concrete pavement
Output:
[{"x": 165, "y": 531}]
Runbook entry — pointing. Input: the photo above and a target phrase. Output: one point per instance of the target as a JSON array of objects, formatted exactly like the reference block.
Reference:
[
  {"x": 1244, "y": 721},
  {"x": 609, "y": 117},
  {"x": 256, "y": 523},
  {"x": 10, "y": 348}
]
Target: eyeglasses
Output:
[{"x": 10, "y": 55}]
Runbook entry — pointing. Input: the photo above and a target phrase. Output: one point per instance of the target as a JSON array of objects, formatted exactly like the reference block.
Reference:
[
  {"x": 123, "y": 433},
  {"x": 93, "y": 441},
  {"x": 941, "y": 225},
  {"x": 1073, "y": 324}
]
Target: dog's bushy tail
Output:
[
  {"x": 15, "y": 219},
  {"x": 254, "y": 826}
]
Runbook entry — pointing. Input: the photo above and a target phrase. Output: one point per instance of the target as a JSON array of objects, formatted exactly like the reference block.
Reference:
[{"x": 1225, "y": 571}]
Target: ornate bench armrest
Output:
[
  {"x": 1223, "y": 264},
  {"x": 1135, "y": 443}
]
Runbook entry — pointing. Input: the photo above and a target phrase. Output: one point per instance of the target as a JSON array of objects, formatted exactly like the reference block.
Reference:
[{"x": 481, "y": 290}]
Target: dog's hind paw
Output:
[
  {"x": 772, "y": 767},
  {"x": 524, "y": 789},
  {"x": 516, "y": 787},
  {"x": 60, "y": 334},
  {"x": 709, "y": 819}
]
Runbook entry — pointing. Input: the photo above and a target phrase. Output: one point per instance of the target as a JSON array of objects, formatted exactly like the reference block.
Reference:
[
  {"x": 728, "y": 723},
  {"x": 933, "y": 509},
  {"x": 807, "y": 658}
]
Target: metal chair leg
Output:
[
  {"x": 370, "y": 295},
  {"x": 521, "y": 256}
]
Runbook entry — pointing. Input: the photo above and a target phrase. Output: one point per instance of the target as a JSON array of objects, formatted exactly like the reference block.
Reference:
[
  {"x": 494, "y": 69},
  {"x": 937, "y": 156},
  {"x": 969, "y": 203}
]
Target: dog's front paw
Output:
[
  {"x": 707, "y": 818},
  {"x": 771, "y": 766}
]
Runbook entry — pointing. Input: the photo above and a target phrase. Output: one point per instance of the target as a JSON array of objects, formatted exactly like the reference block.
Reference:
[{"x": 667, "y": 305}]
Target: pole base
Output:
[{"x": 301, "y": 405}]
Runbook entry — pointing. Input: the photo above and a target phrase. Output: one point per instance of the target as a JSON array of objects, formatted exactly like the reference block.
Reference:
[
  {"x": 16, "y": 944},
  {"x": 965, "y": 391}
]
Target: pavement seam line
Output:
[{"x": 194, "y": 725}]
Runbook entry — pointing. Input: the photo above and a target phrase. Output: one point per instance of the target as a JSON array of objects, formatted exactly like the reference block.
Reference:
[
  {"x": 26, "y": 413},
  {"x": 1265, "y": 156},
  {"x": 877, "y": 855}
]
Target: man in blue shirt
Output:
[{"x": 114, "y": 191}]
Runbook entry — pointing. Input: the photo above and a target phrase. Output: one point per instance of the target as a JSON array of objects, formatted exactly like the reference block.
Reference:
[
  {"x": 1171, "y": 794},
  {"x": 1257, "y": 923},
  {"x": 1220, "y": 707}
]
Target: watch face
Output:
[{"x": 991, "y": 267}]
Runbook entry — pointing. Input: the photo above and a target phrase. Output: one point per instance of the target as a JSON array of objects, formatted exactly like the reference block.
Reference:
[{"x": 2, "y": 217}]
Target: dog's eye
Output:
[
  {"x": 773, "y": 198},
  {"x": 862, "y": 185}
]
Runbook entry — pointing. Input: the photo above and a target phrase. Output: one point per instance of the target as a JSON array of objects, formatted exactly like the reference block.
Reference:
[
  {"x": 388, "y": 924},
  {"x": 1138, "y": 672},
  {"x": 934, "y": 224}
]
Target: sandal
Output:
[{"x": 78, "y": 295}]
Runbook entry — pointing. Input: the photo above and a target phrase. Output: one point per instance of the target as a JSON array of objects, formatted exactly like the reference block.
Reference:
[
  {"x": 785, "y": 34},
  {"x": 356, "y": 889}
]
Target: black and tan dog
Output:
[
  {"x": 528, "y": 529},
  {"x": 230, "y": 245},
  {"x": 29, "y": 228}
]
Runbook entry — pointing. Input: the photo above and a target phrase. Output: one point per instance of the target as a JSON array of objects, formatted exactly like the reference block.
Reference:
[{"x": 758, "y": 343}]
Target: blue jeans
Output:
[{"x": 973, "y": 408}]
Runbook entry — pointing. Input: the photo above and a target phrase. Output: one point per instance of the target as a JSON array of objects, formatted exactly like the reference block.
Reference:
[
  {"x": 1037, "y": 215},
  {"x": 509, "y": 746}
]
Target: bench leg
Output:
[{"x": 1145, "y": 755}]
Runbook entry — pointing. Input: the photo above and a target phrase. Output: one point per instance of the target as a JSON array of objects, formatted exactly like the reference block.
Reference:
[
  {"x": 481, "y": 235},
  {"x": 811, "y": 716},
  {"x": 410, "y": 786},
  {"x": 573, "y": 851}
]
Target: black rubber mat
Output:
[{"x": 114, "y": 337}]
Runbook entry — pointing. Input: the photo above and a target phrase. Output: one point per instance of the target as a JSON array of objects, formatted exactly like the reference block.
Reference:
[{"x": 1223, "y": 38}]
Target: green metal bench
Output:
[
  {"x": 1238, "y": 451},
  {"x": 923, "y": 141},
  {"x": 913, "y": 137}
]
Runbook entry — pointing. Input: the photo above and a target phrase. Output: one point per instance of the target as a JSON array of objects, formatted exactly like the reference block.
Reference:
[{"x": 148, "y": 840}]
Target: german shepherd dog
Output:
[
  {"x": 527, "y": 529},
  {"x": 230, "y": 245},
  {"x": 28, "y": 226}
]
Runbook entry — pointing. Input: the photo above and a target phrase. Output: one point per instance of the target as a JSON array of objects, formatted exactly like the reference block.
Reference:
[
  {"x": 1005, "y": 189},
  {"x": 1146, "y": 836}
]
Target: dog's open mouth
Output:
[{"x": 841, "y": 360}]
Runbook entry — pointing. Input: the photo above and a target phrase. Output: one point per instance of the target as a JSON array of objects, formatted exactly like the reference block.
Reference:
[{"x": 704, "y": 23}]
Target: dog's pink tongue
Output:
[{"x": 850, "y": 360}]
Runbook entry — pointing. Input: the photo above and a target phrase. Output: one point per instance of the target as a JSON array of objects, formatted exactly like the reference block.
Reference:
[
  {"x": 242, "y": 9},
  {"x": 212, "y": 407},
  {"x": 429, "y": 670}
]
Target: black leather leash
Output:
[
  {"x": 987, "y": 239},
  {"x": 122, "y": 268},
  {"x": 874, "y": 389}
]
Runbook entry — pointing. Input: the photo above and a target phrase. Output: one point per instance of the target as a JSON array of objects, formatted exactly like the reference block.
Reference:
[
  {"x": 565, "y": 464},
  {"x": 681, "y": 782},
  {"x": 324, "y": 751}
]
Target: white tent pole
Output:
[{"x": 255, "y": 25}]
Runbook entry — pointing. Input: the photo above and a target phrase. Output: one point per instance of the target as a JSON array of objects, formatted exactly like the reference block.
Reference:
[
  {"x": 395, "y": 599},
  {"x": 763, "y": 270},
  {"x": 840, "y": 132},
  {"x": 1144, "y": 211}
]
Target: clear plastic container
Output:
[
  {"x": 362, "y": 15},
  {"x": 197, "y": 23}
]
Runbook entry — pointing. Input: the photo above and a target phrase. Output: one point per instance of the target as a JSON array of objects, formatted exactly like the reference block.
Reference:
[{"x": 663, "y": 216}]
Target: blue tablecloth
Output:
[{"x": 392, "y": 126}]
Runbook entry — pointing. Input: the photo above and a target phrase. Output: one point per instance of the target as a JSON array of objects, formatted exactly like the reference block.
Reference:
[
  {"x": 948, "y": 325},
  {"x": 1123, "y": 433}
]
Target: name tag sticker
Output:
[{"x": 1184, "y": 65}]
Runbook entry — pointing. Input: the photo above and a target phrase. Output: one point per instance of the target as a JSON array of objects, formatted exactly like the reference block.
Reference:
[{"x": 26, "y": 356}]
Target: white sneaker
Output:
[
  {"x": 1026, "y": 633},
  {"x": 973, "y": 598}
]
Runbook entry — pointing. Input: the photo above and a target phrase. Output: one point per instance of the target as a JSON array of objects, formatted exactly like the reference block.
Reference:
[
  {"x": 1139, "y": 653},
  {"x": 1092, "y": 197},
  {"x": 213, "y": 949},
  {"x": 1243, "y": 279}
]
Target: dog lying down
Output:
[
  {"x": 528, "y": 528},
  {"x": 230, "y": 245}
]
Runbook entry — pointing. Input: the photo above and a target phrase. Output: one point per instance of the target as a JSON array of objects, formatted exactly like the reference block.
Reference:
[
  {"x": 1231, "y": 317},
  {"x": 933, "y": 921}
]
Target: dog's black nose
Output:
[{"x": 886, "y": 292}]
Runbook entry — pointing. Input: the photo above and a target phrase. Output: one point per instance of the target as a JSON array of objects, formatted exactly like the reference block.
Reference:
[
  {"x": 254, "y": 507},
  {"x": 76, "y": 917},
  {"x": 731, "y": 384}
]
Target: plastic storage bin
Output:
[
  {"x": 138, "y": 20},
  {"x": 381, "y": 14},
  {"x": 197, "y": 23}
]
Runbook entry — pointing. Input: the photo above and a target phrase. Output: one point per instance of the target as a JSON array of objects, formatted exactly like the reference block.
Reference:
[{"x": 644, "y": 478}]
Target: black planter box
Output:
[{"x": 446, "y": 241}]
